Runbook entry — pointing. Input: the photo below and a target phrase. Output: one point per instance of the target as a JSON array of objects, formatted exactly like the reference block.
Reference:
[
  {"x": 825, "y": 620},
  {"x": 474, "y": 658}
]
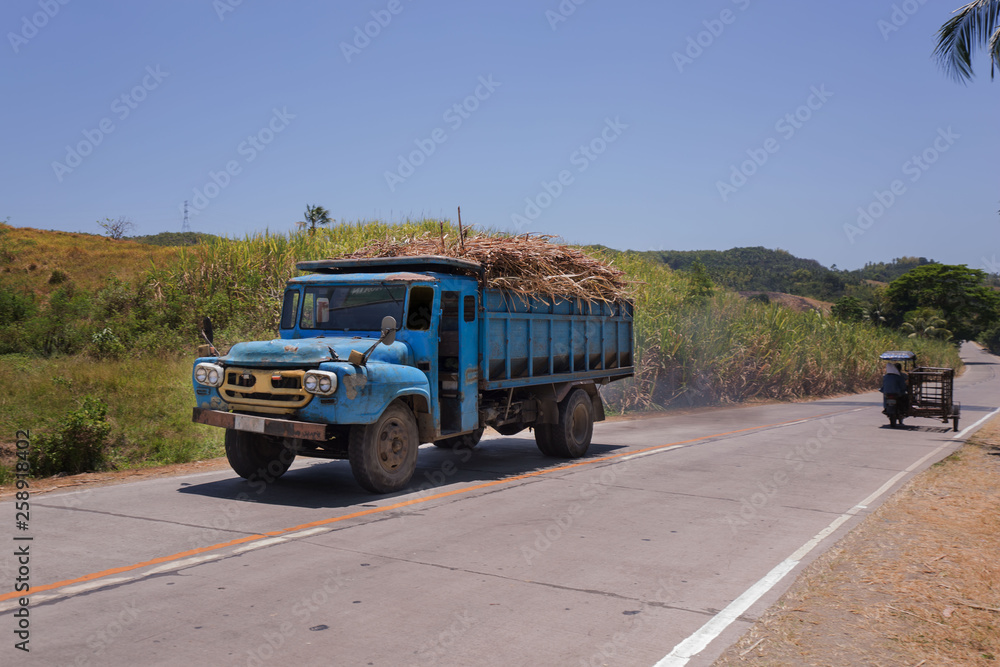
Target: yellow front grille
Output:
[{"x": 267, "y": 391}]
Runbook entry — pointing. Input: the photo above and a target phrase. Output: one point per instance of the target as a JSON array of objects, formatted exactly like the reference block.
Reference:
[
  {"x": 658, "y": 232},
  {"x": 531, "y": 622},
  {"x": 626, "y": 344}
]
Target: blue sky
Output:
[{"x": 639, "y": 125}]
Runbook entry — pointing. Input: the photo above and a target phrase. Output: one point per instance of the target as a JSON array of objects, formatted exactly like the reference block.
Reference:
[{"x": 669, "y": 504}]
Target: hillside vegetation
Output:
[
  {"x": 103, "y": 355},
  {"x": 39, "y": 261},
  {"x": 174, "y": 238},
  {"x": 765, "y": 270}
]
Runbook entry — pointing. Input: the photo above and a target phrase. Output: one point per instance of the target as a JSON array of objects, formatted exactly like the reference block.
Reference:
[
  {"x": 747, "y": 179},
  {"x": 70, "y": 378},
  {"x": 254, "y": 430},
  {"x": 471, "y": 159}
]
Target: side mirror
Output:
[
  {"x": 209, "y": 336},
  {"x": 388, "y": 337},
  {"x": 388, "y": 330}
]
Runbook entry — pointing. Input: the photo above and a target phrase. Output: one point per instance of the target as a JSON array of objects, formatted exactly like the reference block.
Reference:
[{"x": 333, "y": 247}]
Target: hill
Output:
[
  {"x": 38, "y": 261},
  {"x": 759, "y": 269},
  {"x": 174, "y": 238},
  {"x": 800, "y": 304},
  {"x": 887, "y": 272}
]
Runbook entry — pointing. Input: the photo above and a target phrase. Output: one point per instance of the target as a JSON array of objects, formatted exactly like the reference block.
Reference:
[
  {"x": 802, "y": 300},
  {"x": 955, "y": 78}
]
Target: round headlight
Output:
[
  {"x": 310, "y": 383},
  {"x": 200, "y": 374},
  {"x": 213, "y": 377},
  {"x": 324, "y": 384}
]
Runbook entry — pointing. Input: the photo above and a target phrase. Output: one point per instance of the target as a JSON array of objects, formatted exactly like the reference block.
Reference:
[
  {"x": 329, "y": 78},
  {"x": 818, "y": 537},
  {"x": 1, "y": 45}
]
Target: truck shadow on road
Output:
[{"x": 321, "y": 484}]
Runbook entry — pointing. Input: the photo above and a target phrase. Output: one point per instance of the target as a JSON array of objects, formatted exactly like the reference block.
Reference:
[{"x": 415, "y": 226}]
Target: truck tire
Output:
[
  {"x": 383, "y": 455},
  {"x": 571, "y": 437},
  {"x": 464, "y": 441},
  {"x": 256, "y": 456},
  {"x": 543, "y": 439}
]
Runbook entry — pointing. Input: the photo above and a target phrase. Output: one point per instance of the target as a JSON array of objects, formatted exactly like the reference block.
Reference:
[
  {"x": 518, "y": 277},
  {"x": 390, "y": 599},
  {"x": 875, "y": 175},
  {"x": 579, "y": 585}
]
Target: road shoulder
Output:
[{"x": 918, "y": 582}]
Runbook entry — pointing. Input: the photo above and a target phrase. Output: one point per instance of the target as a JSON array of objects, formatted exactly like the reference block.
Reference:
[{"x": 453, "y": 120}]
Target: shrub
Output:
[
  {"x": 991, "y": 339},
  {"x": 14, "y": 306},
  {"x": 77, "y": 444},
  {"x": 104, "y": 344},
  {"x": 848, "y": 309},
  {"x": 59, "y": 328}
]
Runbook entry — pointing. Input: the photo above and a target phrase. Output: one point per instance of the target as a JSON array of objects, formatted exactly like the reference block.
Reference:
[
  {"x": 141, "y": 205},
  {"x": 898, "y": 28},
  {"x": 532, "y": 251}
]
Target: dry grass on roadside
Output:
[{"x": 917, "y": 583}]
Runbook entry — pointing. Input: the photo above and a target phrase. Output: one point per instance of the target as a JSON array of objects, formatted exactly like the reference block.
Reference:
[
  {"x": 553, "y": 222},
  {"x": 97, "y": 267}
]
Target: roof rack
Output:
[
  {"x": 437, "y": 263},
  {"x": 898, "y": 355}
]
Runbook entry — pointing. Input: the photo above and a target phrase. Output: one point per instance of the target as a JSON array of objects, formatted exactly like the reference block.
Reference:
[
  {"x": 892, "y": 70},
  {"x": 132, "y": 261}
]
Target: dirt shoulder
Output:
[{"x": 916, "y": 583}]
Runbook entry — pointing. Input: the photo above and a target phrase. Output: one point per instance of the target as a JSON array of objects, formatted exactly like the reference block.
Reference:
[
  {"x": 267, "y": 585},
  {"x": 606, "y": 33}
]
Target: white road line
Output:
[
  {"x": 13, "y": 603},
  {"x": 965, "y": 430},
  {"x": 702, "y": 637},
  {"x": 308, "y": 532},
  {"x": 259, "y": 544},
  {"x": 69, "y": 591},
  {"x": 177, "y": 565},
  {"x": 91, "y": 585}
]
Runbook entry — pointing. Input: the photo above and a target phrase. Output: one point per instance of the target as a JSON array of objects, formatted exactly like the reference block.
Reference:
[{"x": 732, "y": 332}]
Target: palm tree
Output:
[
  {"x": 926, "y": 323},
  {"x": 976, "y": 24},
  {"x": 315, "y": 215}
]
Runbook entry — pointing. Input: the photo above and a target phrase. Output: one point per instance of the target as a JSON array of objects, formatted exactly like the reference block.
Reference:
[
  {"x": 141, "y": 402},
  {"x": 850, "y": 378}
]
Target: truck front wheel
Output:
[
  {"x": 383, "y": 455},
  {"x": 256, "y": 456},
  {"x": 570, "y": 438}
]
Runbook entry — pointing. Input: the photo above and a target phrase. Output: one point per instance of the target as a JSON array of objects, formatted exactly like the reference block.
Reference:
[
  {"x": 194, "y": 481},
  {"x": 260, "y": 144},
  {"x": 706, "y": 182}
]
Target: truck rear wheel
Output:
[
  {"x": 256, "y": 456},
  {"x": 570, "y": 438},
  {"x": 383, "y": 455},
  {"x": 465, "y": 441},
  {"x": 543, "y": 439}
]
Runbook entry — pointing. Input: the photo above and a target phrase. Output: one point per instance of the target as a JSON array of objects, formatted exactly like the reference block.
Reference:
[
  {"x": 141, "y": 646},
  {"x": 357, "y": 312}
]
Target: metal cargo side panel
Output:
[{"x": 530, "y": 341}]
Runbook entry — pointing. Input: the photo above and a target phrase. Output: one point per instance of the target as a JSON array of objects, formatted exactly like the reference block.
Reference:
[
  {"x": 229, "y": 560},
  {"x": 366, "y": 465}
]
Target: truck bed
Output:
[{"x": 530, "y": 341}]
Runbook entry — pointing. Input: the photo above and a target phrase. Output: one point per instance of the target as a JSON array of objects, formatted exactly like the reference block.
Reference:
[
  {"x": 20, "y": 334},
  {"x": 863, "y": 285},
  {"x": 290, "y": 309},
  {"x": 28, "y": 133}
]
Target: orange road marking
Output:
[{"x": 378, "y": 510}]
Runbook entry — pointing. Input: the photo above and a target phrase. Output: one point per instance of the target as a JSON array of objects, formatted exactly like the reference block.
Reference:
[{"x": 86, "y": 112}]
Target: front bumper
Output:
[{"x": 282, "y": 428}]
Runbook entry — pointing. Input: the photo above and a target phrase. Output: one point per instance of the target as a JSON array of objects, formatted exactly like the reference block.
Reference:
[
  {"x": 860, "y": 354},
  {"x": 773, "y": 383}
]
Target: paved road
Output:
[{"x": 664, "y": 544}]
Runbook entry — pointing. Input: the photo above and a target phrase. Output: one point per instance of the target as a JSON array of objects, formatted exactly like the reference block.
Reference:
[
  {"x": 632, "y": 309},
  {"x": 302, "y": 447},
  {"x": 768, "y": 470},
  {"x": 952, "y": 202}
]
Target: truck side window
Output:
[
  {"x": 289, "y": 308},
  {"x": 421, "y": 303},
  {"x": 308, "y": 306},
  {"x": 469, "y": 308}
]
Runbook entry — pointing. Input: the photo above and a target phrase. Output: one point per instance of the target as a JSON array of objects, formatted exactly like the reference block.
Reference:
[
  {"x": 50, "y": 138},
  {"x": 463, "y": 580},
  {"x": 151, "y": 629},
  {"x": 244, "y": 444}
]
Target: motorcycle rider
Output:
[{"x": 894, "y": 382}]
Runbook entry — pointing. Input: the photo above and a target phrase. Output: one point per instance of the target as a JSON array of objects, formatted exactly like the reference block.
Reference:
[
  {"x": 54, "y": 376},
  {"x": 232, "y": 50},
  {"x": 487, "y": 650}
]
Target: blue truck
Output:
[{"x": 377, "y": 356}]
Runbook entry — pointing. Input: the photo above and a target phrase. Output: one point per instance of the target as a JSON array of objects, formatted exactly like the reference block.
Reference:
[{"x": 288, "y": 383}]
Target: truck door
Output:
[{"x": 458, "y": 361}]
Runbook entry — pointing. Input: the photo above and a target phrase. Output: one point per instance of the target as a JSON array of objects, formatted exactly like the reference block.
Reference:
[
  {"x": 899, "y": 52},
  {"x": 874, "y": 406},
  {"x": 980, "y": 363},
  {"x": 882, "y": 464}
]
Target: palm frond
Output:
[{"x": 973, "y": 25}]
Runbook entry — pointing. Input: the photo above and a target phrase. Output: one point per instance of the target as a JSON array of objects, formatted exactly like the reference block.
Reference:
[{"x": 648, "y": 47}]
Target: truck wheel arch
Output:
[
  {"x": 420, "y": 407},
  {"x": 551, "y": 396}
]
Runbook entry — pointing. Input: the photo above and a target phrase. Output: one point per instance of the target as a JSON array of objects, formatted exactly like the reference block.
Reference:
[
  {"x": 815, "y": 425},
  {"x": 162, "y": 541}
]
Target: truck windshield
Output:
[{"x": 351, "y": 308}]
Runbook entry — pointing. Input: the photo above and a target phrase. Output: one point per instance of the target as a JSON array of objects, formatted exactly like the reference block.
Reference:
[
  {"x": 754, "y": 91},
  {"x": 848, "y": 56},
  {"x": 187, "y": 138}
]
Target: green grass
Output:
[{"x": 150, "y": 402}]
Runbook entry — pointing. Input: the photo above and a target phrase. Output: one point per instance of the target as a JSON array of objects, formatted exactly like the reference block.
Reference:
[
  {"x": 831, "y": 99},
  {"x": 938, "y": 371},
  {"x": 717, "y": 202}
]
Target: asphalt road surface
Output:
[{"x": 659, "y": 548}]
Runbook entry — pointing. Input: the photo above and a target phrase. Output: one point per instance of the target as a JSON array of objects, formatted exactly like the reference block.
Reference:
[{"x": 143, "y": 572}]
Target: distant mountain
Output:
[
  {"x": 765, "y": 270},
  {"x": 174, "y": 238},
  {"x": 759, "y": 269},
  {"x": 886, "y": 273}
]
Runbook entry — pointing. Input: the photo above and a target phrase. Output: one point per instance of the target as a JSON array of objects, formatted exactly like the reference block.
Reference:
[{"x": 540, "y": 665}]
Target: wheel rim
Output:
[
  {"x": 579, "y": 427},
  {"x": 392, "y": 445}
]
